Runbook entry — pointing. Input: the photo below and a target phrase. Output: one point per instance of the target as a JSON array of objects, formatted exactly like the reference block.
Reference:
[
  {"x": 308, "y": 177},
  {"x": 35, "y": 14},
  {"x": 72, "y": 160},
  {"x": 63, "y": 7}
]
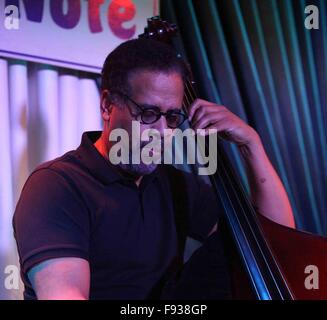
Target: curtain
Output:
[
  {"x": 257, "y": 58},
  {"x": 44, "y": 111}
]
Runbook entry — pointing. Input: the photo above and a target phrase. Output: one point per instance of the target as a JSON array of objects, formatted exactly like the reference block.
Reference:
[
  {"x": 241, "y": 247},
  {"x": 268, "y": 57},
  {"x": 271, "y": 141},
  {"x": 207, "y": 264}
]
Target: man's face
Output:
[{"x": 148, "y": 88}]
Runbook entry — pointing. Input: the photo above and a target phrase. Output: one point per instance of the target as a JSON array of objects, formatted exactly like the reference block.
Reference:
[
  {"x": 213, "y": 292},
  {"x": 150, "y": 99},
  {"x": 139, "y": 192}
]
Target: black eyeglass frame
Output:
[{"x": 156, "y": 110}]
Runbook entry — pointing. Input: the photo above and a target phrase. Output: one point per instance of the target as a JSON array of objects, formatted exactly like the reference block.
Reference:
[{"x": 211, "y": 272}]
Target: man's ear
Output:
[{"x": 105, "y": 105}]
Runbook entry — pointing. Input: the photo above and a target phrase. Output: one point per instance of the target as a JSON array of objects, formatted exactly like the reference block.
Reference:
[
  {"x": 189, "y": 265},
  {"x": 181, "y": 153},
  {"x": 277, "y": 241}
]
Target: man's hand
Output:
[
  {"x": 267, "y": 191},
  {"x": 207, "y": 115}
]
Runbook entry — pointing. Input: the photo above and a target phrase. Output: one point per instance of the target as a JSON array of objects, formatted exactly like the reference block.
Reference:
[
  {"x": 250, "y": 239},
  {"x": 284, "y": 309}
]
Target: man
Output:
[{"x": 88, "y": 229}]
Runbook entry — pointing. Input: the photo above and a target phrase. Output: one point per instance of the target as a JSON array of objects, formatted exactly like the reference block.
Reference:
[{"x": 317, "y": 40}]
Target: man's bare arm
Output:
[
  {"x": 267, "y": 191},
  {"x": 61, "y": 279}
]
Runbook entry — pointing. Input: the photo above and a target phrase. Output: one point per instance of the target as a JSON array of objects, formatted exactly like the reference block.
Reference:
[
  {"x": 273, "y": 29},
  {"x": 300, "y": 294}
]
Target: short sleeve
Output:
[
  {"x": 50, "y": 220},
  {"x": 205, "y": 210}
]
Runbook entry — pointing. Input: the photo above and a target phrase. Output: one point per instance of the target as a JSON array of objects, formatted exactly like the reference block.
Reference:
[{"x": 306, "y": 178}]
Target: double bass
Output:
[{"x": 267, "y": 261}]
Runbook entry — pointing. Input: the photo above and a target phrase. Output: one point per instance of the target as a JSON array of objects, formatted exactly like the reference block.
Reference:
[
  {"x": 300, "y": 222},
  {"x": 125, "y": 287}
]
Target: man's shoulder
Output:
[
  {"x": 57, "y": 171},
  {"x": 63, "y": 164},
  {"x": 50, "y": 184}
]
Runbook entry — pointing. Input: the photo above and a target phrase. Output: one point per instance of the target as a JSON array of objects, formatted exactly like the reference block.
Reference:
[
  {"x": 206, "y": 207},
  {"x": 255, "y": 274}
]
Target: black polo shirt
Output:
[{"x": 79, "y": 205}]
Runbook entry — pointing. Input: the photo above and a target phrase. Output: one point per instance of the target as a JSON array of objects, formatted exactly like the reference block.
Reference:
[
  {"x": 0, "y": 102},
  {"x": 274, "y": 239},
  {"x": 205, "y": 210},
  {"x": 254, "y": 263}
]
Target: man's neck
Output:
[
  {"x": 101, "y": 147},
  {"x": 138, "y": 181}
]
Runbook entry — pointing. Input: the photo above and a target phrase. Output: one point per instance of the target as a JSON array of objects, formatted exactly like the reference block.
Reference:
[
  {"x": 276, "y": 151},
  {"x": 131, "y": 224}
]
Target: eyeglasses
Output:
[{"x": 151, "y": 114}]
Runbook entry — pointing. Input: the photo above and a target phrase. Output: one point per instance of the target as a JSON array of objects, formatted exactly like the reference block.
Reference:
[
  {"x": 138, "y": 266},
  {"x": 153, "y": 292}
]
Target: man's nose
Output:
[{"x": 161, "y": 125}]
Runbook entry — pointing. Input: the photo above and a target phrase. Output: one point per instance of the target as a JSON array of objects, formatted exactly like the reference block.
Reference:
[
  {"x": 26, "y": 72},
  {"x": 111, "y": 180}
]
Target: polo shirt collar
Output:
[{"x": 97, "y": 165}]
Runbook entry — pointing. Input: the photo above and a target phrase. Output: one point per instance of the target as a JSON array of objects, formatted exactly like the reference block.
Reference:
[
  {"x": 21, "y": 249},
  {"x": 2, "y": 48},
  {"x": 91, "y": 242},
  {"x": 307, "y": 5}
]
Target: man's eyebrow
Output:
[{"x": 149, "y": 106}]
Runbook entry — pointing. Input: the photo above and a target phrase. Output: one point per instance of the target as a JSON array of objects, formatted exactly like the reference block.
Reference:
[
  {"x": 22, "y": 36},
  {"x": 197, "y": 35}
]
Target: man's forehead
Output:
[
  {"x": 142, "y": 78},
  {"x": 158, "y": 88}
]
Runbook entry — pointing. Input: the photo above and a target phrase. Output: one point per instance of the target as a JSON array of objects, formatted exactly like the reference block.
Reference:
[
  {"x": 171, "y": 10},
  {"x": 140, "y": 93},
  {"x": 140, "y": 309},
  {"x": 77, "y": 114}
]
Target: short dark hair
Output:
[{"x": 139, "y": 54}]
